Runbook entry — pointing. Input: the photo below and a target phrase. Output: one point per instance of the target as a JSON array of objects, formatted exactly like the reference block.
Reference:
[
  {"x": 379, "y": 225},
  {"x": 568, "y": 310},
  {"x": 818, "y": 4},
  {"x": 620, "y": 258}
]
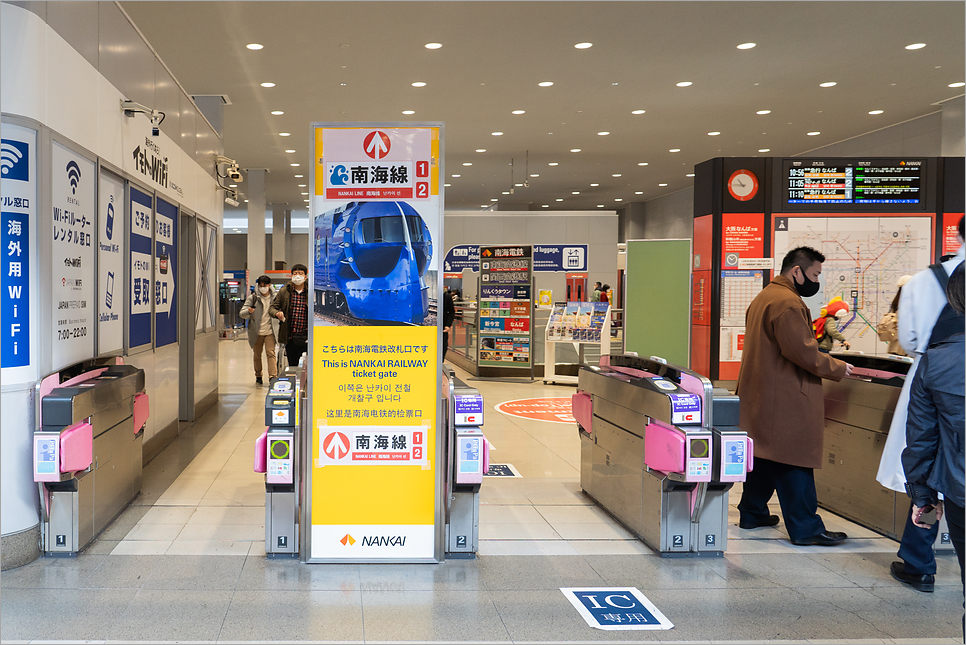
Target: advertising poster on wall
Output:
[
  {"x": 165, "y": 274},
  {"x": 73, "y": 216},
  {"x": 139, "y": 309},
  {"x": 110, "y": 266},
  {"x": 18, "y": 205},
  {"x": 505, "y": 306},
  {"x": 377, "y": 213}
]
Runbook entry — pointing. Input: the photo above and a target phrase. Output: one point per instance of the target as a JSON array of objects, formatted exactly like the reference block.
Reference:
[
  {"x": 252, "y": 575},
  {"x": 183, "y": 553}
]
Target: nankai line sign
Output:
[{"x": 546, "y": 257}]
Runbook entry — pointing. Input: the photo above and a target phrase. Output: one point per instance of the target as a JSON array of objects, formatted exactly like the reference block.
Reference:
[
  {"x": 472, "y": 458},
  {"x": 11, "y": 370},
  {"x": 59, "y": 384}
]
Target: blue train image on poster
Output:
[{"x": 370, "y": 259}]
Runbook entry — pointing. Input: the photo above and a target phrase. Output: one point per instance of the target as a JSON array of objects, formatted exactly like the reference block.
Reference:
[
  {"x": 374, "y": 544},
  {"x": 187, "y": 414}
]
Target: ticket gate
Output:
[
  {"x": 276, "y": 455},
  {"x": 858, "y": 414},
  {"x": 468, "y": 456},
  {"x": 87, "y": 454},
  {"x": 660, "y": 449}
]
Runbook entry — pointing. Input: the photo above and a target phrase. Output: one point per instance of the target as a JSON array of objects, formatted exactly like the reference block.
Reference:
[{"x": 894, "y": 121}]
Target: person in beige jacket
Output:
[{"x": 782, "y": 405}]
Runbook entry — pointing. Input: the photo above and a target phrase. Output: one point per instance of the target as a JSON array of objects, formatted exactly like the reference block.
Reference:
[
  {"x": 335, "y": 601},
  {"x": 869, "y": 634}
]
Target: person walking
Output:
[
  {"x": 924, "y": 317},
  {"x": 262, "y": 327},
  {"x": 449, "y": 317},
  {"x": 782, "y": 404},
  {"x": 291, "y": 307},
  {"x": 604, "y": 291},
  {"x": 595, "y": 297}
]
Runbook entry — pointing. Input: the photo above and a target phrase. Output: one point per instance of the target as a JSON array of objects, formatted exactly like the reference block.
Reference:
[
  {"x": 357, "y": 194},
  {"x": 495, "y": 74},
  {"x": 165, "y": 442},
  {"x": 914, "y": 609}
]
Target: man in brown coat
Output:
[{"x": 782, "y": 406}]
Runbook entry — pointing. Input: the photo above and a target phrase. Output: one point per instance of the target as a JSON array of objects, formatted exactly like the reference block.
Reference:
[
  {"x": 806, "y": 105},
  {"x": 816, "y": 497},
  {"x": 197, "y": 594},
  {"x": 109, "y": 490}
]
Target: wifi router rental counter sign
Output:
[{"x": 17, "y": 201}]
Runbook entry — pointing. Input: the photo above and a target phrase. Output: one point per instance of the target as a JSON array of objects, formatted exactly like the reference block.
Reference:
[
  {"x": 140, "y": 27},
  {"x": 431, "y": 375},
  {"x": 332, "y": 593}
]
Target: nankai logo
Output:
[
  {"x": 375, "y": 540},
  {"x": 348, "y": 540}
]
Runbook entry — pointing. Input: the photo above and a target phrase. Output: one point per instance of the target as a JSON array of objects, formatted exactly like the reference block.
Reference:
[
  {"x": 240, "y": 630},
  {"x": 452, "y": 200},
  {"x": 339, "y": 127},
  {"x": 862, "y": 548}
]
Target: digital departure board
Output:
[{"x": 833, "y": 183}]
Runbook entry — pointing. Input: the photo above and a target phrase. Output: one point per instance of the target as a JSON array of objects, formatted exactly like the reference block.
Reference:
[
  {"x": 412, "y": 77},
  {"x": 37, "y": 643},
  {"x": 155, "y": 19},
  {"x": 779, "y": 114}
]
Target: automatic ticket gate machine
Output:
[
  {"x": 87, "y": 454},
  {"x": 660, "y": 449},
  {"x": 468, "y": 455},
  {"x": 276, "y": 455}
]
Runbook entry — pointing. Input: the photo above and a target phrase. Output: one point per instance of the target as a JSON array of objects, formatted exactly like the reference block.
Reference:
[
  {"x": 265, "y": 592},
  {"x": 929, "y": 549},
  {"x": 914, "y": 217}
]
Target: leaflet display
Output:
[
  {"x": 583, "y": 322},
  {"x": 829, "y": 183}
]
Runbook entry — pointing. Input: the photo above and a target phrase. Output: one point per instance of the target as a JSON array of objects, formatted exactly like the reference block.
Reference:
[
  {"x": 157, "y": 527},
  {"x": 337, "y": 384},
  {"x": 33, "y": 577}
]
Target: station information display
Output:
[{"x": 850, "y": 183}]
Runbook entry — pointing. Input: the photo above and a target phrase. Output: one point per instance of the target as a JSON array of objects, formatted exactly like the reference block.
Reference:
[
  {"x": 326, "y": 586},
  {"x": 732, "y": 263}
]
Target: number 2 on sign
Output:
[
  {"x": 417, "y": 452},
  {"x": 422, "y": 190}
]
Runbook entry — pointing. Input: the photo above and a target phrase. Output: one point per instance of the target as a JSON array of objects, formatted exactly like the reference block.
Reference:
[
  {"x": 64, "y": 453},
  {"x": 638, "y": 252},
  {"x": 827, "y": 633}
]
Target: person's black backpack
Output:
[{"x": 950, "y": 321}]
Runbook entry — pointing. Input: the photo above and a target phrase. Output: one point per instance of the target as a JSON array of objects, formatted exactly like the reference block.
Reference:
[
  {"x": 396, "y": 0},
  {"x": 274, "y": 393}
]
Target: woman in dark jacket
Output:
[
  {"x": 933, "y": 458},
  {"x": 449, "y": 317}
]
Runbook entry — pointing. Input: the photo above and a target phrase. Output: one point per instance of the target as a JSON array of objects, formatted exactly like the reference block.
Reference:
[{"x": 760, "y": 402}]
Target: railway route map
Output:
[{"x": 864, "y": 257}]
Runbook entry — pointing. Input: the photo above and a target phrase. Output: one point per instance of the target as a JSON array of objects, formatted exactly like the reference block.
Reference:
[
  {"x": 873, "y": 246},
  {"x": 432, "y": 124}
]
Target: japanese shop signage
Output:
[
  {"x": 18, "y": 191},
  {"x": 504, "y": 338},
  {"x": 546, "y": 257},
  {"x": 110, "y": 265},
  {"x": 165, "y": 274},
  {"x": 375, "y": 163},
  {"x": 72, "y": 257},
  {"x": 140, "y": 227}
]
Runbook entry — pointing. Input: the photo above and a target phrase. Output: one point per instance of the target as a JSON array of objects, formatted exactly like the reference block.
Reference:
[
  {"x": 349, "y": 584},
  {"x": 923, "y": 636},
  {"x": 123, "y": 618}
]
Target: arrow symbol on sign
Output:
[
  {"x": 376, "y": 144},
  {"x": 335, "y": 445}
]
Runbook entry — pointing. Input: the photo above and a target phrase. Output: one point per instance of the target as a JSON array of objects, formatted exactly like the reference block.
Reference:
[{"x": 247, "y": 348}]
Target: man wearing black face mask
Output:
[{"x": 782, "y": 406}]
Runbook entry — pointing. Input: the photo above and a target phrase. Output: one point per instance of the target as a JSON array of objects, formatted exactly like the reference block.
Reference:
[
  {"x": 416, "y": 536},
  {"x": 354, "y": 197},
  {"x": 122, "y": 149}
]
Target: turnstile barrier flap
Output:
[
  {"x": 77, "y": 447},
  {"x": 686, "y": 453},
  {"x": 142, "y": 410},
  {"x": 582, "y": 405},
  {"x": 261, "y": 452}
]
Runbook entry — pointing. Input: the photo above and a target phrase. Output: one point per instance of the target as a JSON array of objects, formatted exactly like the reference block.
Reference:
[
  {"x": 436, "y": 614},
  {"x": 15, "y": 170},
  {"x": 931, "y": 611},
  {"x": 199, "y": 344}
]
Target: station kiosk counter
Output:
[
  {"x": 660, "y": 449},
  {"x": 87, "y": 453},
  {"x": 858, "y": 414}
]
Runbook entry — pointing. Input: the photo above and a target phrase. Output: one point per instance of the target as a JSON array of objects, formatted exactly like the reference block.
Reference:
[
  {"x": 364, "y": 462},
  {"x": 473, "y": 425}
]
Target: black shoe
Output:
[
  {"x": 919, "y": 581},
  {"x": 258, "y": 380},
  {"x": 825, "y": 538},
  {"x": 771, "y": 520}
]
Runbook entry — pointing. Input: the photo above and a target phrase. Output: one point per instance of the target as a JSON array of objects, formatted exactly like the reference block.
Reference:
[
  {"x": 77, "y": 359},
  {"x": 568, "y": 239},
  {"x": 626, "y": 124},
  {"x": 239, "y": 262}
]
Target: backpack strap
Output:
[
  {"x": 950, "y": 321},
  {"x": 940, "y": 273}
]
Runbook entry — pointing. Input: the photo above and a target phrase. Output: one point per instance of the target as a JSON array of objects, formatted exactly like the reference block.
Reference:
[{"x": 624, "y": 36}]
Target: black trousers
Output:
[
  {"x": 916, "y": 546},
  {"x": 955, "y": 521},
  {"x": 445, "y": 343},
  {"x": 796, "y": 494},
  {"x": 294, "y": 348}
]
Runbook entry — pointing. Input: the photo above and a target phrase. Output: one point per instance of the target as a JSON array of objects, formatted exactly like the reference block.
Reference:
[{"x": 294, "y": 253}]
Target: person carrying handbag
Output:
[{"x": 888, "y": 327}]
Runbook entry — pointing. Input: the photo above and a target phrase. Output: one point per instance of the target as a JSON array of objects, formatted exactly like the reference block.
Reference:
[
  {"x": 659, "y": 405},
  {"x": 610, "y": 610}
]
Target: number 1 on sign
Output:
[{"x": 422, "y": 169}]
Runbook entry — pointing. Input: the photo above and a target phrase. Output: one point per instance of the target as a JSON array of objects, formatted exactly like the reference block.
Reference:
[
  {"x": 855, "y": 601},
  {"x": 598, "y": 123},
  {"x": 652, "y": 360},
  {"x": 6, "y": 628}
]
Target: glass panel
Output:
[
  {"x": 199, "y": 276},
  {"x": 211, "y": 283}
]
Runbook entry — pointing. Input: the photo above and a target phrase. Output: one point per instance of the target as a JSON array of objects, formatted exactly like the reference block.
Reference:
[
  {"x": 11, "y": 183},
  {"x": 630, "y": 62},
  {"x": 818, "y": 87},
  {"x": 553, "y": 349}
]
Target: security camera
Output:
[
  {"x": 130, "y": 108},
  {"x": 231, "y": 172},
  {"x": 234, "y": 173},
  {"x": 156, "y": 118}
]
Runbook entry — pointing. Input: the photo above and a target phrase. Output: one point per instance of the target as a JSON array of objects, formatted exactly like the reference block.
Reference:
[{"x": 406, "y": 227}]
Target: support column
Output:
[
  {"x": 288, "y": 239},
  {"x": 256, "y": 223},
  {"x": 279, "y": 235}
]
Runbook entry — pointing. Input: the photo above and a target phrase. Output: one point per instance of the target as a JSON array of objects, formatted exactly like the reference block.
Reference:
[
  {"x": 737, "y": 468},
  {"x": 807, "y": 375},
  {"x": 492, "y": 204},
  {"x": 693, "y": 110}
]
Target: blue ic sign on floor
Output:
[{"x": 613, "y": 608}]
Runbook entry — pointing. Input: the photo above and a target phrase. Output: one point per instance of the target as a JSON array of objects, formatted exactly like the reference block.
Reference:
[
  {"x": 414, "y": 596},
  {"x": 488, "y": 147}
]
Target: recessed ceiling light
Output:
[
  {"x": 643, "y": 163},
  {"x": 584, "y": 45},
  {"x": 409, "y": 112},
  {"x": 690, "y": 174},
  {"x": 246, "y": 201},
  {"x": 674, "y": 150},
  {"x": 684, "y": 84},
  {"x": 713, "y": 134},
  {"x": 616, "y": 175},
  {"x": 294, "y": 165},
  {"x": 484, "y": 205},
  {"x": 305, "y": 193},
  {"x": 763, "y": 112},
  {"x": 290, "y": 151},
  {"x": 594, "y": 185},
  {"x": 447, "y": 185},
  {"x": 497, "y": 134},
  {"x": 268, "y": 84},
  {"x": 301, "y": 185},
  {"x": 284, "y": 134},
  {"x": 603, "y": 134},
  {"x": 875, "y": 112},
  {"x": 343, "y": 84},
  {"x": 662, "y": 184},
  {"x": 277, "y": 112},
  {"x": 518, "y": 185},
  {"x": 827, "y": 84},
  {"x": 432, "y": 45},
  {"x": 764, "y": 149},
  {"x": 600, "y": 205},
  {"x": 575, "y": 192},
  {"x": 746, "y": 45},
  {"x": 481, "y": 149},
  {"x": 553, "y": 163},
  {"x": 545, "y": 206},
  {"x": 233, "y": 185},
  {"x": 575, "y": 150},
  {"x": 236, "y": 230},
  {"x": 494, "y": 199},
  {"x": 812, "y": 134},
  {"x": 506, "y": 192},
  {"x": 916, "y": 46},
  {"x": 560, "y": 199},
  {"x": 419, "y": 84},
  {"x": 956, "y": 84},
  {"x": 618, "y": 199},
  {"x": 468, "y": 163},
  {"x": 639, "y": 192},
  {"x": 545, "y": 84},
  {"x": 534, "y": 175},
  {"x": 299, "y": 176},
  {"x": 519, "y": 112},
  {"x": 456, "y": 176},
  {"x": 637, "y": 111}
]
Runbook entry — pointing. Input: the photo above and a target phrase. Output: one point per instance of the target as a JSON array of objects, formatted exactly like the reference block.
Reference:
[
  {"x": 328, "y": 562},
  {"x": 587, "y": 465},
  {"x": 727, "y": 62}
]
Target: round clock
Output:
[{"x": 743, "y": 185}]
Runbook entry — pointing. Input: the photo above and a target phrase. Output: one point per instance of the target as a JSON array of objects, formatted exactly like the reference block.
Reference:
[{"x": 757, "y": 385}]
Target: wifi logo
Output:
[
  {"x": 73, "y": 175},
  {"x": 14, "y": 160}
]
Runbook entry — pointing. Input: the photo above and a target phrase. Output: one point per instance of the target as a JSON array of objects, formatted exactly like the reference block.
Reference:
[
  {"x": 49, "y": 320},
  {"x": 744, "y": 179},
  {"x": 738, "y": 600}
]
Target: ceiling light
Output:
[
  {"x": 268, "y": 84},
  {"x": 294, "y": 165},
  {"x": 617, "y": 175},
  {"x": 456, "y": 176},
  {"x": 827, "y": 84},
  {"x": 494, "y": 199},
  {"x": 690, "y": 174},
  {"x": 545, "y": 84},
  {"x": 684, "y": 84},
  {"x": 299, "y": 176},
  {"x": 746, "y": 45},
  {"x": 603, "y": 134},
  {"x": 534, "y": 175},
  {"x": 763, "y": 112},
  {"x": 497, "y": 134},
  {"x": 246, "y": 201},
  {"x": 484, "y": 205},
  {"x": 575, "y": 150},
  {"x": 481, "y": 149},
  {"x": 254, "y": 46},
  {"x": 432, "y": 45},
  {"x": 812, "y": 134},
  {"x": 614, "y": 83},
  {"x": 447, "y": 185},
  {"x": 674, "y": 150},
  {"x": 419, "y": 84},
  {"x": 618, "y": 199},
  {"x": 305, "y": 193},
  {"x": 290, "y": 151},
  {"x": 713, "y": 134},
  {"x": 600, "y": 205},
  {"x": 875, "y": 112},
  {"x": 506, "y": 192},
  {"x": 409, "y": 112},
  {"x": 277, "y": 112},
  {"x": 639, "y": 192},
  {"x": 662, "y": 184},
  {"x": 468, "y": 163},
  {"x": 545, "y": 206},
  {"x": 284, "y": 134},
  {"x": 594, "y": 185},
  {"x": 916, "y": 46},
  {"x": 575, "y": 192},
  {"x": 519, "y": 112},
  {"x": 553, "y": 163},
  {"x": 956, "y": 84},
  {"x": 584, "y": 45},
  {"x": 343, "y": 84},
  {"x": 637, "y": 111},
  {"x": 301, "y": 185},
  {"x": 233, "y": 185},
  {"x": 560, "y": 199},
  {"x": 643, "y": 163},
  {"x": 519, "y": 185},
  {"x": 236, "y": 230},
  {"x": 764, "y": 149}
]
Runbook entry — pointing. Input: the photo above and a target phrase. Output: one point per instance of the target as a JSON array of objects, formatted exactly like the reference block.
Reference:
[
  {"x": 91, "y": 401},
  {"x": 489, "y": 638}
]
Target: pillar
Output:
[
  {"x": 256, "y": 222},
  {"x": 279, "y": 235}
]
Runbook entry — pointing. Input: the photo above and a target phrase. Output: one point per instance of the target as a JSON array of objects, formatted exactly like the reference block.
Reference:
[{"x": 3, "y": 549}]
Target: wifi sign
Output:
[
  {"x": 14, "y": 160},
  {"x": 73, "y": 175}
]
